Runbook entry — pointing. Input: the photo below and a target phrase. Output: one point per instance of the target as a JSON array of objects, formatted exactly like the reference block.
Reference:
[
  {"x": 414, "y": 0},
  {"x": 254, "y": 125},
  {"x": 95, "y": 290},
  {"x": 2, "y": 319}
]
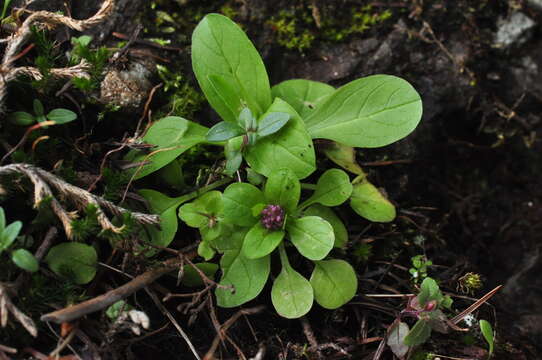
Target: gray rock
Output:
[
  {"x": 513, "y": 31},
  {"x": 537, "y": 4}
]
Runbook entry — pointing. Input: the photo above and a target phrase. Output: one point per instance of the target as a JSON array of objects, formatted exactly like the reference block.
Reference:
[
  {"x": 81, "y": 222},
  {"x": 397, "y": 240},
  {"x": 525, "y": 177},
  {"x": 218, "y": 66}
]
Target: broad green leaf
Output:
[
  {"x": 220, "y": 48},
  {"x": 283, "y": 188},
  {"x": 22, "y": 118},
  {"x": 332, "y": 189},
  {"x": 368, "y": 202},
  {"x": 248, "y": 276},
  {"x": 25, "y": 260},
  {"x": 164, "y": 235},
  {"x": 396, "y": 335},
  {"x": 74, "y": 261},
  {"x": 10, "y": 233},
  {"x": 223, "y": 131},
  {"x": 290, "y": 147},
  {"x": 272, "y": 123},
  {"x": 61, "y": 116},
  {"x": 369, "y": 112},
  {"x": 159, "y": 202},
  {"x": 171, "y": 136},
  {"x": 334, "y": 283},
  {"x": 304, "y": 95},
  {"x": 200, "y": 212},
  {"x": 339, "y": 230},
  {"x": 260, "y": 241},
  {"x": 38, "y": 107},
  {"x": 420, "y": 332},
  {"x": 312, "y": 236},
  {"x": 487, "y": 332},
  {"x": 192, "y": 278},
  {"x": 215, "y": 229},
  {"x": 291, "y": 294},
  {"x": 239, "y": 200},
  {"x": 344, "y": 156}
]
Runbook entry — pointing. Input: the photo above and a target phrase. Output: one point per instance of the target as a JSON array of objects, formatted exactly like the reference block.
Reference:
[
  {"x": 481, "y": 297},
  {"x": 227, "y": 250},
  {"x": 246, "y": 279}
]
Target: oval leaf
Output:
[
  {"x": 272, "y": 123},
  {"x": 283, "y": 188},
  {"x": 21, "y": 118},
  {"x": 487, "y": 332},
  {"x": 239, "y": 200},
  {"x": 312, "y": 236},
  {"x": 223, "y": 131},
  {"x": 25, "y": 260},
  {"x": 341, "y": 234},
  {"x": 334, "y": 283},
  {"x": 10, "y": 233},
  {"x": 260, "y": 241},
  {"x": 74, "y": 261},
  {"x": 61, "y": 116},
  {"x": 369, "y": 112},
  {"x": 332, "y": 189},
  {"x": 396, "y": 335},
  {"x": 199, "y": 213},
  {"x": 171, "y": 136},
  {"x": 221, "y": 48},
  {"x": 290, "y": 147},
  {"x": 368, "y": 202},
  {"x": 292, "y": 294},
  {"x": 304, "y": 95},
  {"x": 420, "y": 332},
  {"x": 344, "y": 156},
  {"x": 248, "y": 276}
]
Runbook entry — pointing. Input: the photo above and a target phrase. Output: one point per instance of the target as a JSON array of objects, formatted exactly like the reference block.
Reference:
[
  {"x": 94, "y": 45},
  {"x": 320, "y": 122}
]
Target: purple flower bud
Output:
[{"x": 272, "y": 217}]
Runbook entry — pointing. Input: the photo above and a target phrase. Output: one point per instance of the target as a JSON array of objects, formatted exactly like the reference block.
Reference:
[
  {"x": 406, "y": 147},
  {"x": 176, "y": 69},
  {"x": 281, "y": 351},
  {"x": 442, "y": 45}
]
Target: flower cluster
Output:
[{"x": 272, "y": 217}]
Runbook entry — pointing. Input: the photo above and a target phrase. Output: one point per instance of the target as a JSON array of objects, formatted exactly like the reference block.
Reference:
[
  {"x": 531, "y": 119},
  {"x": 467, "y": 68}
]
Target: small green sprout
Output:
[
  {"x": 8, "y": 234},
  {"x": 420, "y": 264},
  {"x": 54, "y": 117}
]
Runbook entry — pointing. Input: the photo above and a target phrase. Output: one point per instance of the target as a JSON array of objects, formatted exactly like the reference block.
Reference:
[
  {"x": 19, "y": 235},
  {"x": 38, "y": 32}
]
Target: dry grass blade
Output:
[{"x": 475, "y": 306}]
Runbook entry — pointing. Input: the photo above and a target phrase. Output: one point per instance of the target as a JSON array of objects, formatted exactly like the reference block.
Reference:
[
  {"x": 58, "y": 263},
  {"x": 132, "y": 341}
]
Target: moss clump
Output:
[{"x": 301, "y": 25}]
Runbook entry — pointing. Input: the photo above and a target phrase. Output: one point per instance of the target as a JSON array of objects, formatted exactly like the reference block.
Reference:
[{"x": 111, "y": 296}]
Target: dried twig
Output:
[
  {"x": 109, "y": 298},
  {"x": 43, "y": 181},
  {"x": 16, "y": 41},
  {"x": 6, "y": 306}
]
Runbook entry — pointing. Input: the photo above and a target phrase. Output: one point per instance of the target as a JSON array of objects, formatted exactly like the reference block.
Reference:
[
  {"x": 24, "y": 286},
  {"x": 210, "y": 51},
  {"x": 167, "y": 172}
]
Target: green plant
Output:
[
  {"x": 272, "y": 131},
  {"x": 5, "y": 9},
  {"x": 8, "y": 234},
  {"x": 419, "y": 267},
  {"x": 97, "y": 58},
  {"x": 53, "y": 117},
  {"x": 488, "y": 334}
]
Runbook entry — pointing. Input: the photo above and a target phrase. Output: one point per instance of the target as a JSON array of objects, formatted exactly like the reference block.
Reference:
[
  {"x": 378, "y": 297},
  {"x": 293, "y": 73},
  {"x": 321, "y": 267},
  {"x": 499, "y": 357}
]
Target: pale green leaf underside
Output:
[{"x": 369, "y": 112}]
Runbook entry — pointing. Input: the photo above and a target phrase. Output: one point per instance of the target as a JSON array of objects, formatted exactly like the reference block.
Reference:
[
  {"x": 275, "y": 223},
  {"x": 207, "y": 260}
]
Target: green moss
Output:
[{"x": 297, "y": 27}]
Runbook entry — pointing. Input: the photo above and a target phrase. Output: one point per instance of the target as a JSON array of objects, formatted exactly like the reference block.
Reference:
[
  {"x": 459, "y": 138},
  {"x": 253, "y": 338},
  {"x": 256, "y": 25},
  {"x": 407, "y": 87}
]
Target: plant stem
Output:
[
  {"x": 283, "y": 257},
  {"x": 194, "y": 194},
  {"x": 306, "y": 186}
]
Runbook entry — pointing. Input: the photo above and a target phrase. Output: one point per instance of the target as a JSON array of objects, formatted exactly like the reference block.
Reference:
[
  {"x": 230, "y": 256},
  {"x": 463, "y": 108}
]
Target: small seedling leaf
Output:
[
  {"x": 489, "y": 336},
  {"x": 272, "y": 123},
  {"x": 206, "y": 251},
  {"x": 25, "y": 260},
  {"x": 74, "y": 261},
  {"x": 260, "y": 241},
  {"x": 223, "y": 131},
  {"x": 10, "y": 233},
  {"x": 368, "y": 202},
  {"x": 334, "y": 283},
  {"x": 22, "y": 118},
  {"x": 38, "y": 107},
  {"x": 312, "y": 236},
  {"x": 61, "y": 116}
]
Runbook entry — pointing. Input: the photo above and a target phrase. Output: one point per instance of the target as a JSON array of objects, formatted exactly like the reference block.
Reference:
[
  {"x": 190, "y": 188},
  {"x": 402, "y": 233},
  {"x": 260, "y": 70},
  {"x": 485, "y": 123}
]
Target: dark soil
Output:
[{"x": 467, "y": 186}]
